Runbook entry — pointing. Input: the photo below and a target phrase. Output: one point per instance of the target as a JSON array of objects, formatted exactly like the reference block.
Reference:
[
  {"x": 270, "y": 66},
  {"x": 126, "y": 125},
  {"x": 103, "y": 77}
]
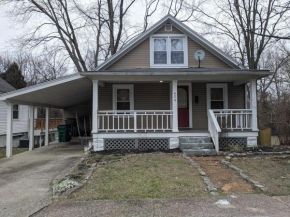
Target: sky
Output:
[{"x": 7, "y": 31}]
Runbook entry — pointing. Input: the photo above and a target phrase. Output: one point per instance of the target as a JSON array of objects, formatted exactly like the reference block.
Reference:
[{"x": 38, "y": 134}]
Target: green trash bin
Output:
[{"x": 63, "y": 135}]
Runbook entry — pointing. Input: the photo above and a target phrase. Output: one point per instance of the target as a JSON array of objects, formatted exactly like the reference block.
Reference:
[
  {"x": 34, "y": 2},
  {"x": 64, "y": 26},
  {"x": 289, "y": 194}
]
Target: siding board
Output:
[
  {"x": 156, "y": 96},
  {"x": 139, "y": 57}
]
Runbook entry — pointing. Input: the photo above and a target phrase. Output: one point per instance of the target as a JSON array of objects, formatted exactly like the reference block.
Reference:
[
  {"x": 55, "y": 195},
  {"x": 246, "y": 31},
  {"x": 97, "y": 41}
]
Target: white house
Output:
[
  {"x": 20, "y": 117},
  {"x": 168, "y": 88}
]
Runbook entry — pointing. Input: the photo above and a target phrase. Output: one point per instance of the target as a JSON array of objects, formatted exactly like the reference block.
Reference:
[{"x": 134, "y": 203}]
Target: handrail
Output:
[
  {"x": 127, "y": 111},
  {"x": 214, "y": 129},
  {"x": 134, "y": 120},
  {"x": 216, "y": 124},
  {"x": 234, "y": 119}
]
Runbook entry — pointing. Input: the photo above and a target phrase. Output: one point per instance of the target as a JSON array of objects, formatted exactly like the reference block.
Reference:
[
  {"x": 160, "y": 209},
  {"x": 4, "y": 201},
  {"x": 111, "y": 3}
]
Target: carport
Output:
[{"x": 60, "y": 93}]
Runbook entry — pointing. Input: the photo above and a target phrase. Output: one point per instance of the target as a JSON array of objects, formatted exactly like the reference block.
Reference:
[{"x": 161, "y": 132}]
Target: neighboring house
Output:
[
  {"x": 20, "y": 117},
  {"x": 152, "y": 94}
]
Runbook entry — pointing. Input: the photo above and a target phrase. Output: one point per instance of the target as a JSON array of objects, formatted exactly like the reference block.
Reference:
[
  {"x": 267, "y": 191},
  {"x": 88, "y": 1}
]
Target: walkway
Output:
[{"x": 25, "y": 179}]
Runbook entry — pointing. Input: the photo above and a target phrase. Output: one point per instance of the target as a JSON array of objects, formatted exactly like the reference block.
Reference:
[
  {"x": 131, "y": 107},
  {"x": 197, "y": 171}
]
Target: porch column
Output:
[
  {"x": 9, "y": 131},
  {"x": 46, "y": 137},
  {"x": 31, "y": 128},
  {"x": 174, "y": 102},
  {"x": 95, "y": 105},
  {"x": 253, "y": 92}
]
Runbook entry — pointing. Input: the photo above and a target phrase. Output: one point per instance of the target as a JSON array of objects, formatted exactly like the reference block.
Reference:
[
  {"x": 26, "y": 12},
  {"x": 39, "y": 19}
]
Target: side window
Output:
[
  {"x": 16, "y": 111},
  {"x": 123, "y": 97},
  {"x": 217, "y": 100},
  {"x": 217, "y": 96}
]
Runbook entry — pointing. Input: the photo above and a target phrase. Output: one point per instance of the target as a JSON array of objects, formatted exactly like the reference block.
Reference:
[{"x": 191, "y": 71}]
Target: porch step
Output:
[
  {"x": 197, "y": 146},
  {"x": 191, "y": 139},
  {"x": 199, "y": 152},
  {"x": 188, "y": 145}
]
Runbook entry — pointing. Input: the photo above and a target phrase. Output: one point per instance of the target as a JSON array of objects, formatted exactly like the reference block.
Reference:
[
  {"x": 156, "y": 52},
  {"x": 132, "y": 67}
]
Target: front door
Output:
[{"x": 183, "y": 108}]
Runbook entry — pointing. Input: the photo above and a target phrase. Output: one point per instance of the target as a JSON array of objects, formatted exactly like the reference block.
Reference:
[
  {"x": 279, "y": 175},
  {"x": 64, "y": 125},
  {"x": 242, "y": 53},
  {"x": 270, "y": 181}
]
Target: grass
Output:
[
  {"x": 272, "y": 172},
  {"x": 14, "y": 151},
  {"x": 143, "y": 176}
]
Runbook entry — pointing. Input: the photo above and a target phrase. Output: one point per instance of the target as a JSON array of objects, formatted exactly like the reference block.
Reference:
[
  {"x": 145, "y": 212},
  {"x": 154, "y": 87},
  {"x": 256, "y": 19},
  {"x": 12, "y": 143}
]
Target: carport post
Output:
[
  {"x": 9, "y": 133},
  {"x": 253, "y": 92},
  {"x": 31, "y": 128},
  {"x": 46, "y": 138},
  {"x": 95, "y": 105}
]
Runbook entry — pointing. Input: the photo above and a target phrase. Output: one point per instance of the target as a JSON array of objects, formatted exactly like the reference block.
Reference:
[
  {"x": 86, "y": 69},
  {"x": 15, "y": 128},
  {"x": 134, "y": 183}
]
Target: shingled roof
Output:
[{"x": 5, "y": 87}]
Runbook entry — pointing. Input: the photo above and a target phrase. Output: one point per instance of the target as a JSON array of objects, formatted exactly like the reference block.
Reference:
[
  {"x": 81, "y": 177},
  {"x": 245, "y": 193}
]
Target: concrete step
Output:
[
  {"x": 187, "y": 145},
  {"x": 199, "y": 152},
  {"x": 191, "y": 139}
]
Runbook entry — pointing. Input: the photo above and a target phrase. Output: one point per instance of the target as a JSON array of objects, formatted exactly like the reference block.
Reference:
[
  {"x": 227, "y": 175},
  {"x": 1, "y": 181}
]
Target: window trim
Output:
[
  {"x": 168, "y": 49},
  {"x": 123, "y": 86},
  {"x": 15, "y": 110},
  {"x": 224, "y": 86}
]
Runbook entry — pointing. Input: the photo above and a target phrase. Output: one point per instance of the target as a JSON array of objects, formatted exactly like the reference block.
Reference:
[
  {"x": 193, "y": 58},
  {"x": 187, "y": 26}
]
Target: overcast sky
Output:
[{"x": 7, "y": 31}]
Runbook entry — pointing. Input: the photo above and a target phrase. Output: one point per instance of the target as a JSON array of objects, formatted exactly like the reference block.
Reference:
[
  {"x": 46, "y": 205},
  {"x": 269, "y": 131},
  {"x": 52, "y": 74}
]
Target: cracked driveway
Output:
[{"x": 26, "y": 178}]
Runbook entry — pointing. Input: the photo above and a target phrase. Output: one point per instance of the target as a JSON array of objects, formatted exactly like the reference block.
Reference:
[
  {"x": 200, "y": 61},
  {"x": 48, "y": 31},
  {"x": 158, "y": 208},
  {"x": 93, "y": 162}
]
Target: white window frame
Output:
[
  {"x": 225, "y": 93},
  {"x": 168, "y": 49},
  {"x": 15, "y": 110},
  {"x": 123, "y": 86}
]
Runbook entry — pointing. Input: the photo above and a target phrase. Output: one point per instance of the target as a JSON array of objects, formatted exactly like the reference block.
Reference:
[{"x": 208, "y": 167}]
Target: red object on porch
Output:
[{"x": 183, "y": 109}]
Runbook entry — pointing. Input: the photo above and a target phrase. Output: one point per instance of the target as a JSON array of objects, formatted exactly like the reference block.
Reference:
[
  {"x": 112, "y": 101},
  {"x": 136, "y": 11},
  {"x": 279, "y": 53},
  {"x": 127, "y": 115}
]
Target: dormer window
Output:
[{"x": 168, "y": 51}]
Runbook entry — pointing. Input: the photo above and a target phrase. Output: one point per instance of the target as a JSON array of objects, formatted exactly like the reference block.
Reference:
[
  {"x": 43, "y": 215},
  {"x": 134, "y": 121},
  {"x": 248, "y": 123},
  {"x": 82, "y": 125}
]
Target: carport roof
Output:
[{"x": 59, "y": 93}]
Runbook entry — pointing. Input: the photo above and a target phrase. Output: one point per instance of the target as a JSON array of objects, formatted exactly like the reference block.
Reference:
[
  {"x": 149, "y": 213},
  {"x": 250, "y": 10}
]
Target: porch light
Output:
[{"x": 161, "y": 81}]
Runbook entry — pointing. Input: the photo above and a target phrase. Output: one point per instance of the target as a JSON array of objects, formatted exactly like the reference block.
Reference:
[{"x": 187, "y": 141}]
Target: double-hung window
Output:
[
  {"x": 217, "y": 96},
  {"x": 15, "y": 112},
  {"x": 168, "y": 51},
  {"x": 123, "y": 97}
]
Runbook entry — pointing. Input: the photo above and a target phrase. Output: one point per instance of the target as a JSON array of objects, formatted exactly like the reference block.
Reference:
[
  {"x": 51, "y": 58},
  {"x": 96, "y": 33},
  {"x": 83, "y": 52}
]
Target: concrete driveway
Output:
[
  {"x": 251, "y": 205},
  {"x": 26, "y": 178}
]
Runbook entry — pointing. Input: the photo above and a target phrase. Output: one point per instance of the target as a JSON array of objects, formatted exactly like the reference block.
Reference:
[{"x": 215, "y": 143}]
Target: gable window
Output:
[
  {"x": 123, "y": 97},
  {"x": 217, "y": 96},
  {"x": 16, "y": 112},
  {"x": 168, "y": 51}
]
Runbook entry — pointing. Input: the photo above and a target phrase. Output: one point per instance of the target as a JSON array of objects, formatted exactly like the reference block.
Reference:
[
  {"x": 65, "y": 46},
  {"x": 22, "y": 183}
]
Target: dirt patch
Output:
[
  {"x": 236, "y": 187},
  {"x": 225, "y": 179}
]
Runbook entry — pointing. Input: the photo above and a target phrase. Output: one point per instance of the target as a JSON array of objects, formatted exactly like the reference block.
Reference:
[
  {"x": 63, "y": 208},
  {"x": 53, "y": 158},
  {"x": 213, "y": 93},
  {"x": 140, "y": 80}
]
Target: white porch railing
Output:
[
  {"x": 135, "y": 120},
  {"x": 214, "y": 129},
  {"x": 234, "y": 119}
]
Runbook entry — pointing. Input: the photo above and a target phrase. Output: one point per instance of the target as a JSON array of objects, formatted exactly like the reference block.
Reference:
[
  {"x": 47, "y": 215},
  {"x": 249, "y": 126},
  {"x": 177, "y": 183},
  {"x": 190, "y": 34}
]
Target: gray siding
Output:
[
  {"x": 236, "y": 100},
  {"x": 156, "y": 96},
  {"x": 139, "y": 57}
]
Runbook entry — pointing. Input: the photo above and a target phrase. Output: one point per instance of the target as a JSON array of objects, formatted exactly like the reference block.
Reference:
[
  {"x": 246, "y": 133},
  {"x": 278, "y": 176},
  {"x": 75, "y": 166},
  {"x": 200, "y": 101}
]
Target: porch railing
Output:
[
  {"x": 214, "y": 129},
  {"x": 135, "y": 120},
  {"x": 234, "y": 119},
  {"x": 39, "y": 123}
]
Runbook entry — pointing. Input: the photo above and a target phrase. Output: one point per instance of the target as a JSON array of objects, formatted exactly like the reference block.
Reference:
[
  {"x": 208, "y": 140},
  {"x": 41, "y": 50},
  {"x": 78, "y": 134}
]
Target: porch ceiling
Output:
[
  {"x": 59, "y": 93},
  {"x": 238, "y": 76}
]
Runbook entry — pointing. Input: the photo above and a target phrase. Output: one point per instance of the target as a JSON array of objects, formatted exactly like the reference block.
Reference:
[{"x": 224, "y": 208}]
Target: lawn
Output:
[
  {"x": 14, "y": 151},
  {"x": 143, "y": 176},
  {"x": 272, "y": 172}
]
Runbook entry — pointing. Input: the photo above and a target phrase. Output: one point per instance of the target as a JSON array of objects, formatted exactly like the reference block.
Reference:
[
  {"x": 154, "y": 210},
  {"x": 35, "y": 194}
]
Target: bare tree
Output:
[{"x": 246, "y": 23}]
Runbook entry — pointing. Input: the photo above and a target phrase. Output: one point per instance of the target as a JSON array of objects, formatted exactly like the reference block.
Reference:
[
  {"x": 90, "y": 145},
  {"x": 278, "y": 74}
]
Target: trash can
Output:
[{"x": 63, "y": 134}]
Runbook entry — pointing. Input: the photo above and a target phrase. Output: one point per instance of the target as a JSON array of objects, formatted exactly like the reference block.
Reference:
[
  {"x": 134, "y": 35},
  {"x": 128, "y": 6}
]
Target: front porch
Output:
[
  {"x": 202, "y": 121},
  {"x": 164, "y": 104}
]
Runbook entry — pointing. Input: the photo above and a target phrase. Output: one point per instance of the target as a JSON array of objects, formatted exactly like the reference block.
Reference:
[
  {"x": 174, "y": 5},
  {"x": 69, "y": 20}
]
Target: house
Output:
[
  {"x": 154, "y": 94},
  {"x": 20, "y": 117}
]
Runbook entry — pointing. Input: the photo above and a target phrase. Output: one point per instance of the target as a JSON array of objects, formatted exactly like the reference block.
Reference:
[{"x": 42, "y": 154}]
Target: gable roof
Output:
[
  {"x": 5, "y": 87},
  {"x": 180, "y": 26}
]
